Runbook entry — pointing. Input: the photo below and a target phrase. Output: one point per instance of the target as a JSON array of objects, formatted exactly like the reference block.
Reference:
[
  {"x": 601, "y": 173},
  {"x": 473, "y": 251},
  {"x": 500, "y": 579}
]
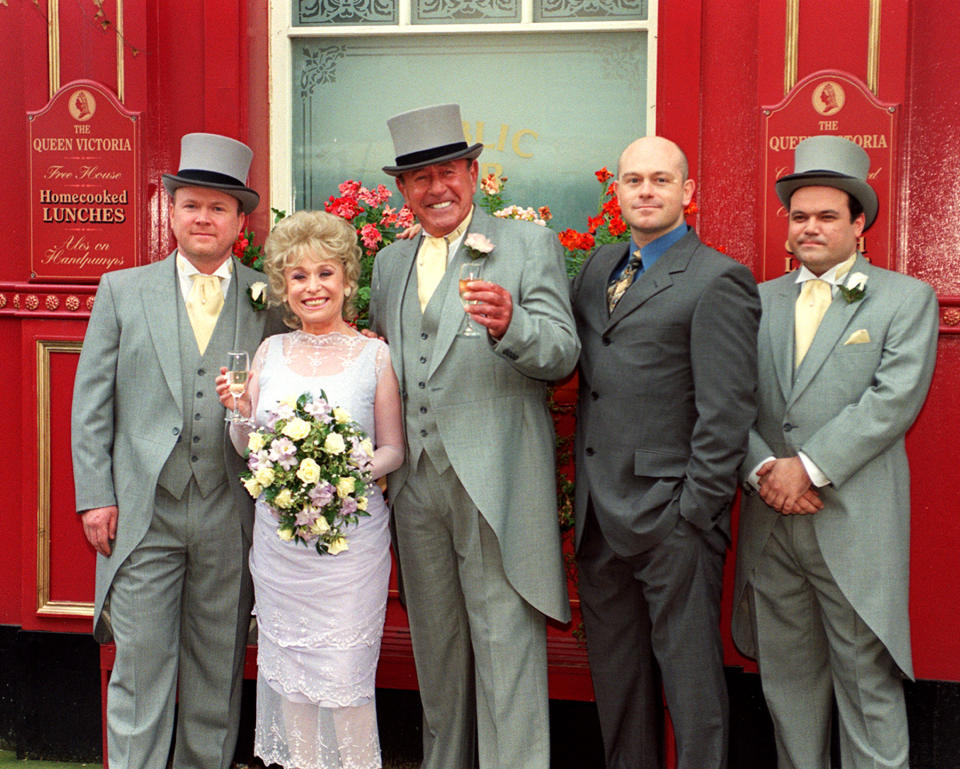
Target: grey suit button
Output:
[
  {"x": 787, "y": 427},
  {"x": 423, "y": 358},
  {"x": 423, "y": 409},
  {"x": 197, "y": 417},
  {"x": 589, "y": 451},
  {"x": 196, "y": 439},
  {"x": 194, "y": 458},
  {"x": 594, "y": 395},
  {"x": 421, "y": 385},
  {"x": 199, "y": 394},
  {"x": 201, "y": 371},
  {"x": 423, "y": 433},
  {"x": 176, "y": 431},
  {"x": 424, "y": 335},
  {"x": 606, "y": 341}
]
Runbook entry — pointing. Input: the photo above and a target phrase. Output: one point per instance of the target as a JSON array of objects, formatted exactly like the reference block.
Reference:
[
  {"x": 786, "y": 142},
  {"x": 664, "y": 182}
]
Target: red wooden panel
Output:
[
  {"x": 833, "y": 36},
  {"x": 935, "y": 525},
  {"x": 88, "y": 42}
]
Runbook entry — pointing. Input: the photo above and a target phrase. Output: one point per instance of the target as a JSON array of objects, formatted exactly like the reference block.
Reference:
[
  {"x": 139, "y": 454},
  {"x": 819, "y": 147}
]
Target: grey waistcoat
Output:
[
  {"x": 420, "y": 334},
  {"x": 199, "y": 449}
]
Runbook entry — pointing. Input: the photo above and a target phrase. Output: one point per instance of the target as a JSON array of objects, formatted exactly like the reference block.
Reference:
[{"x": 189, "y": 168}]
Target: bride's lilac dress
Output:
[{"x": 320, "y": 618}]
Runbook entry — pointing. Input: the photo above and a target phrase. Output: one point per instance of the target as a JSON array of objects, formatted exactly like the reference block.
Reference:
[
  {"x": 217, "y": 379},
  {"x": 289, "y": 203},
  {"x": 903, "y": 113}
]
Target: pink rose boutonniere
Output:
[{"x": 477, "y": 245}]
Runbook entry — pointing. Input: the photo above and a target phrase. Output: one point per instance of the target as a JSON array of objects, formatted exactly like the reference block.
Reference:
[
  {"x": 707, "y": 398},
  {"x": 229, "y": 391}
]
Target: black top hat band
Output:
[
  {"x": 423, "y": 156},
  {"x": 208, "y": 177}
]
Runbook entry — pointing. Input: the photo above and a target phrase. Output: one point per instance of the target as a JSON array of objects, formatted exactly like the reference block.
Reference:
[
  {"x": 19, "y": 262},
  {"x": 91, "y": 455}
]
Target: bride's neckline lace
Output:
[
  {"x": 331, "y": 336},
  {"x": 327, "y": 354}
]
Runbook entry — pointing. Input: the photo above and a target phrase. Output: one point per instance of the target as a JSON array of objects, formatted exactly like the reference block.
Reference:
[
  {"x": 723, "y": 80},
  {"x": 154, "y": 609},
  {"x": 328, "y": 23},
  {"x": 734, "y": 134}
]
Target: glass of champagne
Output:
[
  {"x": 469, "y": 271},
  {"x": 238, "y": 369}
]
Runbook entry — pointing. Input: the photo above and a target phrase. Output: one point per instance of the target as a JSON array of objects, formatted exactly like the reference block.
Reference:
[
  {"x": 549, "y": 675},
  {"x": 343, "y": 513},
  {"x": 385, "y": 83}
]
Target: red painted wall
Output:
[{"x": 203, "y": 66}]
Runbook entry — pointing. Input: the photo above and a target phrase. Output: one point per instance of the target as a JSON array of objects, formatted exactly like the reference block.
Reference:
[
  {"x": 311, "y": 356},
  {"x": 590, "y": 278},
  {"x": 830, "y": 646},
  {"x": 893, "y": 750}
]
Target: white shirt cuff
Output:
[
  {"x": 754, "y": 479},
  {"x": 817, "y": 478}
]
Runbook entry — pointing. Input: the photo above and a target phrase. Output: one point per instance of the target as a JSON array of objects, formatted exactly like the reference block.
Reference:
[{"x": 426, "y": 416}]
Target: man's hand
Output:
[
  {"x": 410, "y": 232},
  {"x": 786, "y": 487},
  {"x": 494, "y": 308},
  {"x": 100, "y": 527}
]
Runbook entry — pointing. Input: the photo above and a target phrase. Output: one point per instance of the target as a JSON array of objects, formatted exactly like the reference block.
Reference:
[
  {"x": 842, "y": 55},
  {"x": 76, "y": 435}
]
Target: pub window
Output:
[{"x": 553, "y": 88}]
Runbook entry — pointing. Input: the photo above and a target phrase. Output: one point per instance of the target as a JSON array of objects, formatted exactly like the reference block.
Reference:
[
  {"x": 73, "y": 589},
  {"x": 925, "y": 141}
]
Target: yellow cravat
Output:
[
  {"x": 203, "y": 307},
  {"x": 815, "y": 297},
  {"x": 432, "y": 261},
  {"x": 431, "y": 264}
]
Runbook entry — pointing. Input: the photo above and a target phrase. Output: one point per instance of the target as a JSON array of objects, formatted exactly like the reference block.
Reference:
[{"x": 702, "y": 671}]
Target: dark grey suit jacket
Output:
[{"x": 667, "y": 392}]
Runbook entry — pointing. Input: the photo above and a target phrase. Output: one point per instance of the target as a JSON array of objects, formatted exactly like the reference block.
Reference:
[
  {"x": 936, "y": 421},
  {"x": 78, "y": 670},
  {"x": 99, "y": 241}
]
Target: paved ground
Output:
[{"x": 8, "y": 760}]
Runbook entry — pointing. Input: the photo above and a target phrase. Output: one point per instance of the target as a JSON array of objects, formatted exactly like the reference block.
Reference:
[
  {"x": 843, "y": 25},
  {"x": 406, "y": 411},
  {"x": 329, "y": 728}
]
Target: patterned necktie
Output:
[
  {"x": 617, "y": 288},
  {"x": 431, "y": 264},
  {"x": 203, "y": 307},
  {"x": 815, "y": 297}
]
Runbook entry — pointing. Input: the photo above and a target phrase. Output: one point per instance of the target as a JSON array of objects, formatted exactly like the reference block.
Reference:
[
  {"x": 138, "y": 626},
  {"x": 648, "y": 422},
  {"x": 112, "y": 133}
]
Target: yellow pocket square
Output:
[{"x": 860, "y": 336}]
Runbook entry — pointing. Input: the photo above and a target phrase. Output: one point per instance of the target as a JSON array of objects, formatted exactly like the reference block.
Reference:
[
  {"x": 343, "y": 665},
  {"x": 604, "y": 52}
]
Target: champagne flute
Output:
[
  {"x": 469, "y": 271},
  {"x": 238, "y": 369}
]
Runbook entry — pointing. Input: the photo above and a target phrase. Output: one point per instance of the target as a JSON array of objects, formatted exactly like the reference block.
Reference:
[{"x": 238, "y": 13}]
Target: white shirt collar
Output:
[
  {"x": 185, "y": 271},
  {"x": 830, "y": 276}
]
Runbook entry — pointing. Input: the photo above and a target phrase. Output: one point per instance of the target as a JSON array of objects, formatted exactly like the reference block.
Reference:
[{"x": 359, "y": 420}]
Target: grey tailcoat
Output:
[
  {"x": 490, "y": 401},
  {"x": 847, "y": 408},
  {"x": 127, "y": 408},
  {"x": 667, "y": 391}
]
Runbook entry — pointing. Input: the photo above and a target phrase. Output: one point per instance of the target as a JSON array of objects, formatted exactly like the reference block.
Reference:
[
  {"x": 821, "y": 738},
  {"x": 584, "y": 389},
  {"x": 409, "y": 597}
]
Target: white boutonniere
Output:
[
  {"x": 257, "y": 292},
  {"x": 477, "y": 245},
  {"x": 856, "y": 287}
]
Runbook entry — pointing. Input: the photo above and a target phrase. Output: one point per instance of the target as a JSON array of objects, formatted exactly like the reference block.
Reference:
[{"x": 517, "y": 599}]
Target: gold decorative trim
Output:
[
  {"x": 120, "y": 65},
  {"x": 791, "y": 46},
  {"x": 873, "y": 48},
  {"x": 53, "y": 45},
  {"x": 46, "y": 606}
]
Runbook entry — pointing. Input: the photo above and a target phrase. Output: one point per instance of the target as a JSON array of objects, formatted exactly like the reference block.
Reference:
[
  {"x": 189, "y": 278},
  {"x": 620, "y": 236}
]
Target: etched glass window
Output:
[
  {"x": 311, "y": 12},
  {"x": 550, "y": 108},
  {"x": 588, "y": 10},
  {"x": 465, "y": 11}
]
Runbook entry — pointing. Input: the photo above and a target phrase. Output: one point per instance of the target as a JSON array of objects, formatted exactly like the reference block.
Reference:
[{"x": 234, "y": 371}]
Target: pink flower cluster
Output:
[{"x": 377, "y": 224}]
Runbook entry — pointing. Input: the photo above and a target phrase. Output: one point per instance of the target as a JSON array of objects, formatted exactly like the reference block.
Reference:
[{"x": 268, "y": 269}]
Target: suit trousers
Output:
[
  {"x": 479, "y": 647},
  {"x": 812, "y": 646},
  {"x": 178, "y": 619},
  {"x": 653, "y": 616}
]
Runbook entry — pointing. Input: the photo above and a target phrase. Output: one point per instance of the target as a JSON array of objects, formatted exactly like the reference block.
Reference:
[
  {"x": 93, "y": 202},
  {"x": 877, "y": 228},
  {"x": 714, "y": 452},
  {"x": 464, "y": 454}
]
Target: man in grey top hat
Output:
[
  {"x": 845, "y": 355},
  {"x": 475, "y": 501},
  {"x": 156, "y": 479}
]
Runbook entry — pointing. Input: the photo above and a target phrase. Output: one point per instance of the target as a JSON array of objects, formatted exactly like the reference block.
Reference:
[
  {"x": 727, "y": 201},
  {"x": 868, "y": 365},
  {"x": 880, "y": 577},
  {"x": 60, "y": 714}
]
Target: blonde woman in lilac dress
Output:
[{"x": 320, "y": 617}]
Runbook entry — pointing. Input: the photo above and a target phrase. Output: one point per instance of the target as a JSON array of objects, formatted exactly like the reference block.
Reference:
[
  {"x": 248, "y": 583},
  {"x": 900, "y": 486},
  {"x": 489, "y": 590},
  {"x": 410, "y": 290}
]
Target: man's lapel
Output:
[
  {"x": 780, "y": 328},
  {"x": 159, "y": 300},
  {"x": 452, "y": 315},
  {"x": 402, "y": 278},
  {"x": 658, "y": 278},
  {"x": 249, "y": 323}
]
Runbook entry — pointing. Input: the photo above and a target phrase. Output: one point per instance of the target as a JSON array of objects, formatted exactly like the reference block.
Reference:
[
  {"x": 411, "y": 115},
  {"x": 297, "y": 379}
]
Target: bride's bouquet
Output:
[{"x": 311, "y": 463}]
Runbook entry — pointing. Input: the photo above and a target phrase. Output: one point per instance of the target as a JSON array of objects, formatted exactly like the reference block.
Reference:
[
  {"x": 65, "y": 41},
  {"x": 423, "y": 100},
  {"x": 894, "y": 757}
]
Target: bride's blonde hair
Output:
[{"x": 311, "y": 235}]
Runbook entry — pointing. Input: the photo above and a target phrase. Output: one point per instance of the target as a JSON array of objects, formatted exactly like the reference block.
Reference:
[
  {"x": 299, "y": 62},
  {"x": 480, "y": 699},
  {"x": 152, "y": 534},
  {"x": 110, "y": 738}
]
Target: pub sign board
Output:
[
  {"x": 839, "y": 104},
  {"x": 84, "y": 177}
]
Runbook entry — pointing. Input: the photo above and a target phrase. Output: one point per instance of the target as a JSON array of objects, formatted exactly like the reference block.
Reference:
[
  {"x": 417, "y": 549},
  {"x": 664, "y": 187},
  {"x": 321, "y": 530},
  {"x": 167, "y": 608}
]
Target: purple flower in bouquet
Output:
[
  {"x": 283, "y": 451},
  {"x": 321, "y": 494}
]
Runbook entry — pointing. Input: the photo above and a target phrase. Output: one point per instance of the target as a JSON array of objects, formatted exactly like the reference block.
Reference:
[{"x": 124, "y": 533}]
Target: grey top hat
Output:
[
  {"x": 831, "y": 161},
  {"x": 218, "y": 162},
  {"x": 422, "y": 137}
]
